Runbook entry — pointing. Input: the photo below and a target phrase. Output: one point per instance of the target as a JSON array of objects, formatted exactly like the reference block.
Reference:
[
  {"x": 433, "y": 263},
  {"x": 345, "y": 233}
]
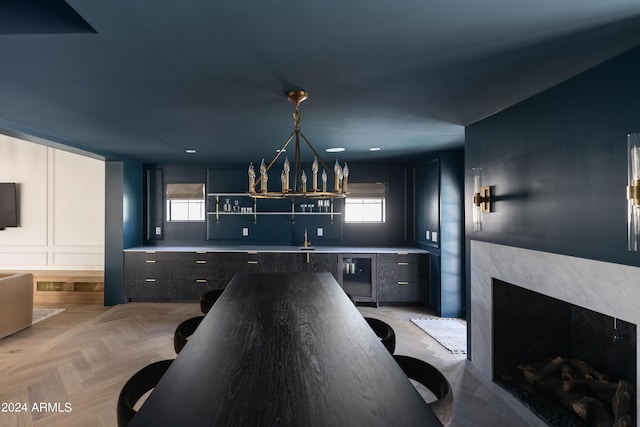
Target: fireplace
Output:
[
  {"x": 599, "y": 293},
  {"x": 541, "y": 343}
]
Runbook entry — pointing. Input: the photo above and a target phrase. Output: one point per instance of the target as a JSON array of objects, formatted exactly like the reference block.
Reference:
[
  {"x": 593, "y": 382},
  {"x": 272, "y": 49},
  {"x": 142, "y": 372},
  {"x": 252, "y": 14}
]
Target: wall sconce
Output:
[
  {"x": 633, "y": 191},
  {"x": 481, "y": 199}
]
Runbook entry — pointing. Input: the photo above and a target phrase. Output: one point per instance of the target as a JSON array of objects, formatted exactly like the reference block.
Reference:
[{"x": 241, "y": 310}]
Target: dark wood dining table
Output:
[{"x": 284, "y": 349}]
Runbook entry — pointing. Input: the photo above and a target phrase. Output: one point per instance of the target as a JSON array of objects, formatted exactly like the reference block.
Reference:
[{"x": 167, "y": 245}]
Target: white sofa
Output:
[{"x": 16, "y": 302}]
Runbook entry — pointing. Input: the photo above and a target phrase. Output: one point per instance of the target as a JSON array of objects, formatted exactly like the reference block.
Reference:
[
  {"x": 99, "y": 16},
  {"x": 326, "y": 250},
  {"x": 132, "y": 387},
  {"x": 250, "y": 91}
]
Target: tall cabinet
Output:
[{"x": 439, "y": 228}]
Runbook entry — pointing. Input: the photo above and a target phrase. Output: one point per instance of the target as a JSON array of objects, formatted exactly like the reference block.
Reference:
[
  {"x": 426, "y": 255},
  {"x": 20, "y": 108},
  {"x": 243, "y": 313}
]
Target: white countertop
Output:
[{"x": 259, "y": 248}]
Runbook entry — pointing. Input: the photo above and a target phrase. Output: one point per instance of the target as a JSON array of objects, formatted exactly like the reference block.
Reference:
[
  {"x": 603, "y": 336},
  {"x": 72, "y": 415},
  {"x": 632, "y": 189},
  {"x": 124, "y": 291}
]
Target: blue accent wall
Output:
[
  {"x": 557, "y": 164},
  {"x": 277, "y": 229}
]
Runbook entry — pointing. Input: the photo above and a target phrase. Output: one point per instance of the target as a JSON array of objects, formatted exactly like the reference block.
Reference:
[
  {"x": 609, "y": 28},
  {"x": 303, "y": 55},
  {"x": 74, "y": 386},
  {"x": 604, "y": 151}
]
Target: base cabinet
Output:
[
  {"x": 186, "y": 276},
  {"x": 403, "y": 278}
]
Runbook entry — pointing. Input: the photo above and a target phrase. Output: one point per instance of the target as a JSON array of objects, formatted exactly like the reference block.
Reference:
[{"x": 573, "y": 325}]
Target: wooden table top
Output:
[{"x": 284, "y": 349}]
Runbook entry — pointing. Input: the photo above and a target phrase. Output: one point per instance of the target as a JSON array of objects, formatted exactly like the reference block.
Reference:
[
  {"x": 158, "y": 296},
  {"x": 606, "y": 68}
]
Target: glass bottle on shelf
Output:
[
  {"x": 227, "y": 206},
  {"x": 236, "y": 208}
]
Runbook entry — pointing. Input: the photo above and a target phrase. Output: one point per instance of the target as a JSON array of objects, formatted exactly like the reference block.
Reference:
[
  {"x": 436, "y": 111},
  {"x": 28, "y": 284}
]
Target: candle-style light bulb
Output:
[
  {"x": 338, "y": 175},
  {"x": 324, "y": 181},
  {"x": 303, "y": 180},
  {"x": 263, "y": 177},
  {"x": 287, "y": 168},
  {"x": 345, "y": 173},
  {"x": 252, "y": 178},
  {"x": 314, "y": 169}
]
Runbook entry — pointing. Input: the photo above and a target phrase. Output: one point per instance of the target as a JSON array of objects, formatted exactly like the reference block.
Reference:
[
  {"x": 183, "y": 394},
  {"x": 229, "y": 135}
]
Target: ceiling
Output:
[{"x": 149, "y": 79}]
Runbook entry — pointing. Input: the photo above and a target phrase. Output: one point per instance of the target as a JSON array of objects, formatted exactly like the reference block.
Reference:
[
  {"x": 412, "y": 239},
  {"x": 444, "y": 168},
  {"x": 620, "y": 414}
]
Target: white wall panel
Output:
[
  {"x": 75, "y": 259},
  {"x": 18, "y": 260},
  {"x": 78, "y": 200},
  {"x": 61, "y": 205},
  {"x": 25, "y": 164}
]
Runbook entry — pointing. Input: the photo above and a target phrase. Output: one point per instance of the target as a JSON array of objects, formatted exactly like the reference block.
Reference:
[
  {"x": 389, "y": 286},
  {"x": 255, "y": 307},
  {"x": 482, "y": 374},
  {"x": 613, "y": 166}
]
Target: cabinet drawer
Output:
[
  {"x": 150, "y": 269},
  {"x": 410, "y": 292},
  {"x": 141, "y": 256},
  {"x": 393, "y": 272},
  {"x": 193, "y": 289},
  {"x": 401, "y": 257},
  {"x": 150, "y": 290},
  {"x": 199, "y": 269}
]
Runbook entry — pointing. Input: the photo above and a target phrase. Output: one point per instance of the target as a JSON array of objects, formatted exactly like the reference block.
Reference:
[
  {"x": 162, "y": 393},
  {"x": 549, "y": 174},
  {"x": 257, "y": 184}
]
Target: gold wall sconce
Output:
[
  {"x": 633, "y": 191},
  {"x": 481, "y": 199}
]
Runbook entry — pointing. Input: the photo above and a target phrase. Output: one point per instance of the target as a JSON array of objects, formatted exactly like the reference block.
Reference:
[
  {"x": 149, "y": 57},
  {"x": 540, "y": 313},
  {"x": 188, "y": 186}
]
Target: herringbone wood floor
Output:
[{"x": 84, "y": 355}]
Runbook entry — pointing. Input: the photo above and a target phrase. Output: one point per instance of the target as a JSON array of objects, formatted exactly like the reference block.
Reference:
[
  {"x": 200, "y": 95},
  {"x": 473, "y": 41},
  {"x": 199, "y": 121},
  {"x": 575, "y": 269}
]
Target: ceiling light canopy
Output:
[{"x": 298, "y": 188}]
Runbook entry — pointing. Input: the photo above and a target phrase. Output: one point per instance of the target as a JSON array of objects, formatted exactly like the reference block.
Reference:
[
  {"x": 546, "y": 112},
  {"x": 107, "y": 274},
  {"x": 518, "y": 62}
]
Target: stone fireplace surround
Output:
[{"x": 611, "y": 289}]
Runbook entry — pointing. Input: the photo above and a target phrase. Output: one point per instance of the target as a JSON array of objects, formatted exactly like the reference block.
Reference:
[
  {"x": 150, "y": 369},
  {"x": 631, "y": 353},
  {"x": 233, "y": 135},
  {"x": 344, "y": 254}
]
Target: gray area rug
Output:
[
  {"x": 39, "y": 314},
  {"x": 451, "y": 333}
]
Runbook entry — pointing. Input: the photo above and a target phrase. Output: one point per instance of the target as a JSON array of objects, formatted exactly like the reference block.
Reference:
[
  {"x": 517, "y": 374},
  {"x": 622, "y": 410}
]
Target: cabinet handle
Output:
[
  {"x": 403, "y": 283},
  {"x": 252, "y": 262},
  {"x": 149, "y": 252},
  {"x": 201, "y": 252},
  {"x": 403, "y": 263},
  {"x": 403, "y": 253},
  {"x": 252, "y": 252},
  {"x": 201, "y": 280},
  {"x": 150, "y": 261},
  {"x": 201, "y": 262},
  {"x": 149, "y": 280}
]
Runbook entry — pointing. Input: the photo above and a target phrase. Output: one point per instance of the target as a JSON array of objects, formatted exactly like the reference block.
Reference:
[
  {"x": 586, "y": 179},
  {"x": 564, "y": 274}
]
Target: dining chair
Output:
[
  {"x": 384, "y": 331},
  {"x": 430, "y": 377},
  {"x": 208, "y": 299},
  {"x": 184, "y": 331},
  {"x": 140, "y": 383}
]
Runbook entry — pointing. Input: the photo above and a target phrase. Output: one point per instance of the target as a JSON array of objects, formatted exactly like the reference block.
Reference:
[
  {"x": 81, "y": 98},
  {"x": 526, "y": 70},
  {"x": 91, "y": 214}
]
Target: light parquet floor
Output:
[{"x": 77, "y": 361}]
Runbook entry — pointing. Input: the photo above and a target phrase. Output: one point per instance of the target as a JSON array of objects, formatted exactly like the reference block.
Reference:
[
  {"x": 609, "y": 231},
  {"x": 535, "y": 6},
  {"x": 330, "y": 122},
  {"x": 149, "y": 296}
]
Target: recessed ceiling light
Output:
[
  {"x": 280, "y": 151},
  {"x": 334, "y": 150},
  {"x": 190, "y": 151},
  {"x": 374, "y": 149}
]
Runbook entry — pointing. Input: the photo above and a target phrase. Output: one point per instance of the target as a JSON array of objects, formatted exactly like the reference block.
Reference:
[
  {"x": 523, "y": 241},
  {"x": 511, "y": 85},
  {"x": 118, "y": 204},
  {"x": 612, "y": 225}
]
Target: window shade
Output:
[
  {"x": 185, "y": 191},
  {"x": 367, "y": 189}
]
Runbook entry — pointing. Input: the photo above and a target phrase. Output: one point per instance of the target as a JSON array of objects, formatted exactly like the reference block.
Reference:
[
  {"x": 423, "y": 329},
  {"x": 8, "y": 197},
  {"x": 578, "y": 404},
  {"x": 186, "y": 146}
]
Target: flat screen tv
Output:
[{"x": 8, "y": 205}]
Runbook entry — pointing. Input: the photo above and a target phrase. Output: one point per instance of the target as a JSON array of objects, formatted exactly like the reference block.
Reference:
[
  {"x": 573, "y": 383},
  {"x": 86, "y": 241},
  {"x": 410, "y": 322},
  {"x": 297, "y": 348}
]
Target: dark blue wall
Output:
[
  {"x": 123, "y": 223},
  {"x": 557, "y": 163},
  {"x": 277, "y": 230}
]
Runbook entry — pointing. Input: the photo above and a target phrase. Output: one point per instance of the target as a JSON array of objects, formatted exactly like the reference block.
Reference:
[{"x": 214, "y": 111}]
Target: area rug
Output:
[
  {"x": 451, "y": 333},
  {"x": 39, "y": 314}
]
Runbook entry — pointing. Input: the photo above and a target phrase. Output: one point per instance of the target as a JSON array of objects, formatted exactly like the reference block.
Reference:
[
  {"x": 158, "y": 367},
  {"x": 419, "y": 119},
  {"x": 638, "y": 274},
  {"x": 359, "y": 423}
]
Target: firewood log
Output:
[
  {"x": 593, "y": 411},
  {"x": 623, "y": 401},
  {"x": 537, "y": 374},
  {"x": 624, "y": 421},
  {"x": 565, "y": 374},
  {"x": 601, "y": 390},
  {"x": 587, "y": 371}
]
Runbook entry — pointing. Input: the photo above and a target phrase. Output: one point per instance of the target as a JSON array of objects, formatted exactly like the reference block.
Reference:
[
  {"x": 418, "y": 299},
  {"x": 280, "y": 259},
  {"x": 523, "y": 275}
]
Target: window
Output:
[
  {"x": 185, "y": 202},
  {"x": 365, "y": 203}
]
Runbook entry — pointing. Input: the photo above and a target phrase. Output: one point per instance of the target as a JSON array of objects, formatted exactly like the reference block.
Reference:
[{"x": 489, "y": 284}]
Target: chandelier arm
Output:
[
  {"x": 315, "y": 153},
  {"x": 280, "y": 151}
]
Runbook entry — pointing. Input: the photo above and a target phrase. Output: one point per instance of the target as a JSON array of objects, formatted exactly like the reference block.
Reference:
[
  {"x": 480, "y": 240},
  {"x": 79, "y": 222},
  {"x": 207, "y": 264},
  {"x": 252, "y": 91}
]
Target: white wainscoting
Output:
[{"x": 61, "y": 208}]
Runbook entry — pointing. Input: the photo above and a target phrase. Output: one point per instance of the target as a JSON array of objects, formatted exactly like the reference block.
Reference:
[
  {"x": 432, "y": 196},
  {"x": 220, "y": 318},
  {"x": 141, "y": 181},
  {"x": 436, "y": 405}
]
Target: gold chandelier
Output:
[{"x": 298, "y": 188}]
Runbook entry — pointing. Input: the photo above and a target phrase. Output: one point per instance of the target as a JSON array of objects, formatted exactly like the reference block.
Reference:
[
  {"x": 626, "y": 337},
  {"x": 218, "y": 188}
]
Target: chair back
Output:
[
  {"x": 184, "y": 331},
  {"x": 384, "y": 331},
  {"x": 141, "y": 382},
  {"x": 430, "y": 377}
]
